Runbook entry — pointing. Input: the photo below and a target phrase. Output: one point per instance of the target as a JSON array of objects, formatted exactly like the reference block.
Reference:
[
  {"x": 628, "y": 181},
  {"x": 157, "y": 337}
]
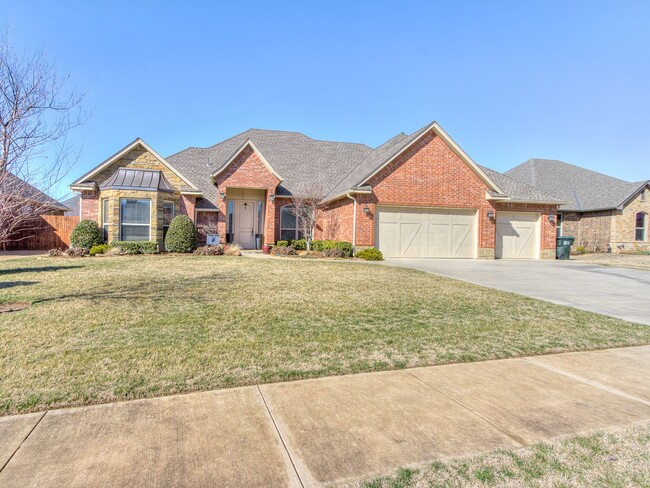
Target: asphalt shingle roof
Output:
[
  {"x": 516, "y": 190},
  {"x": 72, "y": 204},
  {"x": 300, "y": 160},
  {"x": 336, "y": 167},
  {"x": 586, "y": 190},
  {"x": 17, "y": 186}
]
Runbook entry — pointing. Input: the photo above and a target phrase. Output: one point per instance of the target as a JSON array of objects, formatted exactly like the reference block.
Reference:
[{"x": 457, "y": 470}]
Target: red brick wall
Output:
[
  {"x": 90, "y": 205},
  {"x": 428, "y": 174},
  {"x": 249, "y": 171},
  {"x": 590, "y": 229},
  {"x": 336, "y": 221},
  {"x": 206, "y": 223},
  {"x": 188, "y": 203}
]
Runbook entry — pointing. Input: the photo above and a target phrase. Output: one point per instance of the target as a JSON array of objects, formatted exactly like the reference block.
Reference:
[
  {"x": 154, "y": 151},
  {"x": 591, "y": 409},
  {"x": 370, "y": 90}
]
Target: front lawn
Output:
[{"x": 108, "y": 328}]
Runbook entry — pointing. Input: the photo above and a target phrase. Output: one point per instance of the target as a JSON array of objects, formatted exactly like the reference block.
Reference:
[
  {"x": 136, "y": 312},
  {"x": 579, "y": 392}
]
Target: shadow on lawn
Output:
[
  {"x": 11, "y": 284},
  {"x": 35, "y": 270}
]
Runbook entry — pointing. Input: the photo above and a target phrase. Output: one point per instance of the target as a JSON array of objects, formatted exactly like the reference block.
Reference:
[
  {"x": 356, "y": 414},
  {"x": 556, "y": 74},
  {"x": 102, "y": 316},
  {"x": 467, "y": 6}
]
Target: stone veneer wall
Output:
[{"x": 624, "y": 222}]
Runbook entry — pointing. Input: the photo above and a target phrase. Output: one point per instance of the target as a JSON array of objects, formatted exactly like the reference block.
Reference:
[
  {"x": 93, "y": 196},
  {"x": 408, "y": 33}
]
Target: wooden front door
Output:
[{"x": 245, "y": 211}]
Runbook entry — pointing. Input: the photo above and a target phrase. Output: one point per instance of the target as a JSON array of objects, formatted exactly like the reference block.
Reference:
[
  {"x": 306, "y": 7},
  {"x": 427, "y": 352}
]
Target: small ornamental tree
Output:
[
  {"x": 181, "y": 236},
  {"x": 86, "y": 234}
]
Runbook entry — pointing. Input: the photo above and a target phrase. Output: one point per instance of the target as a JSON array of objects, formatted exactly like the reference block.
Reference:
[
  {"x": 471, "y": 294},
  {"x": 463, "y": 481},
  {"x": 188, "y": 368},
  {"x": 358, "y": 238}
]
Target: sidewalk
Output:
[{"x": 312, "y": 432}]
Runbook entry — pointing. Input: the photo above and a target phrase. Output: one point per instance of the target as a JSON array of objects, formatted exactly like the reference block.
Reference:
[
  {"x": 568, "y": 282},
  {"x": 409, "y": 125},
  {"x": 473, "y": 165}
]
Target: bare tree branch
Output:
[
  {"x": 307, "y": 209},
  {"x": 36, "y": 116}
]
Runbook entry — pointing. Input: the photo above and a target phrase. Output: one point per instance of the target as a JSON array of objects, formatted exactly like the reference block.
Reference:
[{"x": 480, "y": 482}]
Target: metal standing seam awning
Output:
[{"x": 138, "y": 179}]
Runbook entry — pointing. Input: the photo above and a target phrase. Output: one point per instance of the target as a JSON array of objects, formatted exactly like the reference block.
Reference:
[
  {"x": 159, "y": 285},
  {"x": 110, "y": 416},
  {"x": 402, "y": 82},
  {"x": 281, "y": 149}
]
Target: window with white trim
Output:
[
  {"x": 558, "y": 225},
  {"x": 640, "y": 226},
  {"x": 169, "y": 212},
  {"x": 105, "y": 218},
  {"x": 289, "y": 229},
  {"x": 135, "y": 219}
]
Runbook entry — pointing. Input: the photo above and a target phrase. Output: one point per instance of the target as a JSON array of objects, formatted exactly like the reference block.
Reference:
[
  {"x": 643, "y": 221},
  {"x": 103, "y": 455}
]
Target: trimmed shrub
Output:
[
  {"x": 282, "y": 243},
  {"x": 581, "y": 250},
  {"x": 99, "y": 249},
  {"x": 209, "y": 251},
  {"x": 76, "y": 252},
  {"x": 370, "y": 254},
  {"x": 299, "y": 244},
  {"x": 57, "y": 251},
  {"x": 232, "y": 250},
  {"x": 283, "y": 251},
  {"x": 135, "y": 247},
  {"x": 86, "y": 234},
  {"x": 326, "y": 245},
  {"x": 335, "y": 253},
  {"x": 181, "y": 236}
]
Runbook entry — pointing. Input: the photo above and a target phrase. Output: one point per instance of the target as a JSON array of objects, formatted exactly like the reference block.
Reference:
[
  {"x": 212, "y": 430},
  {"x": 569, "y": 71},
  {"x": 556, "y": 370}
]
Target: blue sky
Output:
[{"x": 507, "y": 80}]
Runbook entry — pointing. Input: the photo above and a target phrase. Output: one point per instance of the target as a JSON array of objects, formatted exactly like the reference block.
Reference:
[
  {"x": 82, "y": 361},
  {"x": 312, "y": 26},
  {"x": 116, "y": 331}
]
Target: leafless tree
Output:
[
  {"x": 36, "y": 114},
  {"x": 307, "y": 208}
]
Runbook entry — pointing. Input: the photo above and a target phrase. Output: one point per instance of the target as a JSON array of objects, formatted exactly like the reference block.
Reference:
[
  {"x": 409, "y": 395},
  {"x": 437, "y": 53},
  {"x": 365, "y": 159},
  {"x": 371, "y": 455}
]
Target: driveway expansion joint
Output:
[
  {"x": 595, "y": 384},
  {"x": 22, "y": 442}
]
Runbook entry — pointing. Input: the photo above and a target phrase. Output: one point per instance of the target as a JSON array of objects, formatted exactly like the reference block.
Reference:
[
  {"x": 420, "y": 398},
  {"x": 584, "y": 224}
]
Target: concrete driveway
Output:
[{"x": 619, "y": 292}]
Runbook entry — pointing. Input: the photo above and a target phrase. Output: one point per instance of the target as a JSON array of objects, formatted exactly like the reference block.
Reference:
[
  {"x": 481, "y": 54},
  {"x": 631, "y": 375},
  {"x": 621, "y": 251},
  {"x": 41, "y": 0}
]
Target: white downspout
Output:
[{"x": 354, "y": 221}]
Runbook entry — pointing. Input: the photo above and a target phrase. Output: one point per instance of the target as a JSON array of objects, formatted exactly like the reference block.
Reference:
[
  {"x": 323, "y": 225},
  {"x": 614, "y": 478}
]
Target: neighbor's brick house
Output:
[
  {"x": 414, "y": 195},
  {"x": 601, "y": 212}
]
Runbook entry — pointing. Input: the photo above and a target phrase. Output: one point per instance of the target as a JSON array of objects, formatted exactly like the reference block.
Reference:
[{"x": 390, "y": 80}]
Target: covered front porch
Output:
[{"x": 249, "y": 216}]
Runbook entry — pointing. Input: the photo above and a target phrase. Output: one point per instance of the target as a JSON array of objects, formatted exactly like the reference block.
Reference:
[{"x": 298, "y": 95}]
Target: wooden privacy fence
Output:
[{"x": 48, "y": 232}]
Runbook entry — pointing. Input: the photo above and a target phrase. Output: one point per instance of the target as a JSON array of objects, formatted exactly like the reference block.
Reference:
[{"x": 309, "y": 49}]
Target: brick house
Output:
[
  {"x": 603, "y": 212},
  {"x": 414, "y": 195}
]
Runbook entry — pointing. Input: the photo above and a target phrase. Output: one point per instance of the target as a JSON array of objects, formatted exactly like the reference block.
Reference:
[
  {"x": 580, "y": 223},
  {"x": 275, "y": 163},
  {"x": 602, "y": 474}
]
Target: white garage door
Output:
[
  {"x": 517, "y": 235},
  {"x": 426, "y": 232}
]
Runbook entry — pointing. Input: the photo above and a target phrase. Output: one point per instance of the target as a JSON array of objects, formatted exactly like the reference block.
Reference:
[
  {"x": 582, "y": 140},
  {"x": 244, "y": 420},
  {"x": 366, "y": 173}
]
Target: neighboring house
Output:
[
  {"x": 602, "y": 211},
  {"x": 414, "y": 195},
  {"x": 29, "y": 217},
  {"x": 73, "y": 206},
  {"x": 16, "y": 191}
]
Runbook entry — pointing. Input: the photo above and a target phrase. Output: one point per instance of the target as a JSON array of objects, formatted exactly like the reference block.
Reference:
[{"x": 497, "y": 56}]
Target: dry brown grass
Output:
[
  {"x": 110, "y": 328},
  {"x": 616, "y": 458},
  {"x": 636, "y": 261}
]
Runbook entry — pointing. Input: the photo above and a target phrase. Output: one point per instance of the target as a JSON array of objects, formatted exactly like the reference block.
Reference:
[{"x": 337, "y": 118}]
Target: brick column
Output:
[{"x": 269, "y": 219}]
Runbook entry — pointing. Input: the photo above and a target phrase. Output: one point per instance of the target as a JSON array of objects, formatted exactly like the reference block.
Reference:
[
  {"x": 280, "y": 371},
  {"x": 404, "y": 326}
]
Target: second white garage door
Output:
[
  {"x": 517, "y": 235},
  {"x": 426, "y": 232}
]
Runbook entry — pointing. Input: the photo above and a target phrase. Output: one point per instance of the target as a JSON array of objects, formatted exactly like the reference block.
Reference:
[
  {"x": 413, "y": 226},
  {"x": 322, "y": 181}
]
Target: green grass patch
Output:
[
  {"x": 618, "y": 458},
  {"x": 103, "y": 329}
]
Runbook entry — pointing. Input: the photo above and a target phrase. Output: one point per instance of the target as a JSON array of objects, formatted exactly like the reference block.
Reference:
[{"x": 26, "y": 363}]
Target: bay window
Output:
[{"x": 135, "y": 219}]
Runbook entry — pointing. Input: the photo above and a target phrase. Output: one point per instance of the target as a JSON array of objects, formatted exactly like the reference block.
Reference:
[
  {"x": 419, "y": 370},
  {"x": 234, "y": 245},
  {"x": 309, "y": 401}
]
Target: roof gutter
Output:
[{"x": 352, "y": 191}]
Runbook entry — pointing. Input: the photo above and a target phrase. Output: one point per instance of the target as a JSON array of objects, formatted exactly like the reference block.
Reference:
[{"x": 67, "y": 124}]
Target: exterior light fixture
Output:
[
  {"x": 272, "y": 197},
  {"x": 366, "y": 209},
  {"x": 222, "y": 195},
  {"x": 551, "y": 218},
  {"x": 490, "y": 214}
]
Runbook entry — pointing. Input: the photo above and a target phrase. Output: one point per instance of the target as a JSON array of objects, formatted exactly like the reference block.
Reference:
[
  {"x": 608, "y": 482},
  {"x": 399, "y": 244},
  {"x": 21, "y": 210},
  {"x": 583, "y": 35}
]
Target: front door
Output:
[{"x": 245, "y": 223}]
